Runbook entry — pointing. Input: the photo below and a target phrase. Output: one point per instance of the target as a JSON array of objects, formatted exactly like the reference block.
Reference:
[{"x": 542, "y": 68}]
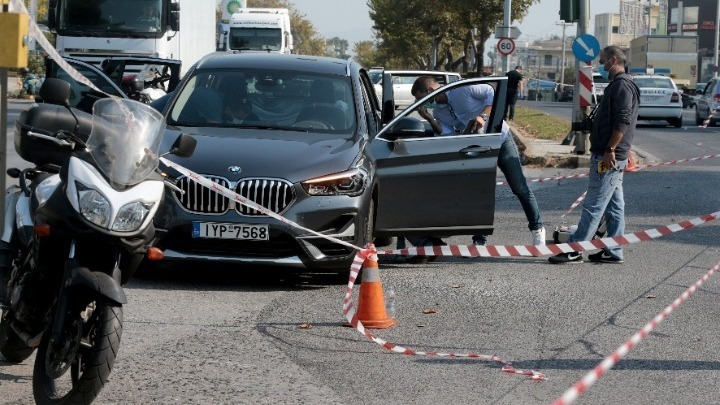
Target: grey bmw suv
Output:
[{"x": 307, "y": 138}]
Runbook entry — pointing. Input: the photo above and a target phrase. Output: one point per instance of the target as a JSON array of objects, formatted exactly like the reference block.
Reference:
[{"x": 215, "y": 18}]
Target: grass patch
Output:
[{"x": 541, "y": 125}]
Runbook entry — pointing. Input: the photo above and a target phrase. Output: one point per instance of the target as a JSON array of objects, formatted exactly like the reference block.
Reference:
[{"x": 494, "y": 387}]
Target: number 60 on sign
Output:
[{"x": 506, "y": 46}]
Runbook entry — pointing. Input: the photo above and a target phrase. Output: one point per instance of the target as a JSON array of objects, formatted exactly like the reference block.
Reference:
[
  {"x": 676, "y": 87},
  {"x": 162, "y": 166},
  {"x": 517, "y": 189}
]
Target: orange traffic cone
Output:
[{"x": 371, "y": 304}]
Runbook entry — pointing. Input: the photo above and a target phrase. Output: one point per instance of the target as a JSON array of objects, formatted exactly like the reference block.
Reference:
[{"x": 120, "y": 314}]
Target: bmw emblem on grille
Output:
[{"x": 234, "y": 169}]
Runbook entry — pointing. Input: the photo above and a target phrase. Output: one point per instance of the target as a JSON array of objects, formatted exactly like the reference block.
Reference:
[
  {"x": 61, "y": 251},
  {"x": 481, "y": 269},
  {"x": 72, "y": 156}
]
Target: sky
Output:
[{"x": 349, "y": 19}]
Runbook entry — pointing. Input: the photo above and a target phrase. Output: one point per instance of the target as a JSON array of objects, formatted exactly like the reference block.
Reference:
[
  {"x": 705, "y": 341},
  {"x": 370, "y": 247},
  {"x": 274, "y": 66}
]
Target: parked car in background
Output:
[
  {"x": 708, "y": 101},
  {"x": 659, "y": 99},
  {"x": 563, "y": 92},
  {"x": 403, "y": 80},
  {"x": 599, "y": 85},
  {"x": 538, "y": 89},
  {"x": 305, "y": 137},
  {"x": 689, "y": 97}
]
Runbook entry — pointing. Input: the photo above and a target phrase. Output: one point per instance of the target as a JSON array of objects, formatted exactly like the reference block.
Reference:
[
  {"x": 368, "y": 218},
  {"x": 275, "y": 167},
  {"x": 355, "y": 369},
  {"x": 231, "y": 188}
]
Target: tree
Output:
[
  {"x": 409, "y": 30},
  {"x": 366, "y": 53},
  {"x": 306, "y": 39},
  {"x": 337, "y": 47}
]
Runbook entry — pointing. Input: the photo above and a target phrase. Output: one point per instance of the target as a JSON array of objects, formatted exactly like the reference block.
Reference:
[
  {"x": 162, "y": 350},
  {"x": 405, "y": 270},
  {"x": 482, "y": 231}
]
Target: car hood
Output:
[{"x": 290, "y": 155}]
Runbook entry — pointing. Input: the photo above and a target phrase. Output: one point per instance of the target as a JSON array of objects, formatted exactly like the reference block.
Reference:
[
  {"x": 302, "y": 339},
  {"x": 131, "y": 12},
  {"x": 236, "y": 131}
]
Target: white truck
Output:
[
  {"x": 168, "y": 29},
  {"x": 260, "y": 29},
  {"x": 673, "y": 55}
]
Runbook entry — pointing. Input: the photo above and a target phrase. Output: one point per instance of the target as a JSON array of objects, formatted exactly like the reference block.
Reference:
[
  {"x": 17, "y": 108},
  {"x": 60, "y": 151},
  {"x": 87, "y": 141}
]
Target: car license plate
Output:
[
  {"x": 645, "y": 99},
  {"x": 216, "y": 230}
]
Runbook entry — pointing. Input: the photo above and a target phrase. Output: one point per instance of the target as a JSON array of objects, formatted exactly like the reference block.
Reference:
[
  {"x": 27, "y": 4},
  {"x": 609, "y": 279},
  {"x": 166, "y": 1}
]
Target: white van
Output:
[{"x": 403, "y": 80}]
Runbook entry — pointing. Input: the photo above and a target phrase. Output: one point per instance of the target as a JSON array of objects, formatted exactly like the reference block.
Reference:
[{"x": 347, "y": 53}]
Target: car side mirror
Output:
[
  {"x": 184, "y": 146},
  {"x": 55, "y": 91},
  {"x": 174, "y": 16},
  {"x": 406, "y": 128}
]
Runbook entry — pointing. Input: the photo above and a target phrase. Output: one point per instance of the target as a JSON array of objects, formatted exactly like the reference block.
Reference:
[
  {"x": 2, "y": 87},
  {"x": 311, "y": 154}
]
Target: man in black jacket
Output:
[
  {"x": 514, "y": 86},
  {"x": 610, "y": 142}
]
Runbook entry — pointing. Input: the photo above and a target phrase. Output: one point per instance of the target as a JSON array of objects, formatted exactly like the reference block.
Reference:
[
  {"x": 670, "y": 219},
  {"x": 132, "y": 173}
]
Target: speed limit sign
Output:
[{"x": 506, "y": 46}]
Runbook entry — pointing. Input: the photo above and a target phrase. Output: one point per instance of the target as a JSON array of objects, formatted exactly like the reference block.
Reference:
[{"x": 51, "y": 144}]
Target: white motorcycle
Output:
[{"x": 77, "y": 226}]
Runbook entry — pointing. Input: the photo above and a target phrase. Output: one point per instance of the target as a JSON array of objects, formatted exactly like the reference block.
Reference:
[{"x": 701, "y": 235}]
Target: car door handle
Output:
[{"x": 475, "y": 150}]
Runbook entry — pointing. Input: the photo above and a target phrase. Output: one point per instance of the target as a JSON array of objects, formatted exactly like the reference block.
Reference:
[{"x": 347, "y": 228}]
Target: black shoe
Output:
[
  {"x": 604, "y": 257},
  {"x": 418, "y": 259},
  {"x": 562, "y": 258}
]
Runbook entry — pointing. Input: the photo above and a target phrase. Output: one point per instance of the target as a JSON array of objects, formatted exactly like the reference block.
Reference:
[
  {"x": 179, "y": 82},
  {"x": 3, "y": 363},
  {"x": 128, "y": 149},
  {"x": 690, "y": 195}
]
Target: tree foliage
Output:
[
  {"x": 408, "y": 30},
  {"x": 366, "y": 53}
]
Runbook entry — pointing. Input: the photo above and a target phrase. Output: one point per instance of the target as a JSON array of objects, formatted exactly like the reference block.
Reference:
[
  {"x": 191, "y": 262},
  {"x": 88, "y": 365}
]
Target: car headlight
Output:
[
  {"x": 94, "y": 207},
  {"x": 351, "y": 182},
  {"x": 131, "y": 216}
]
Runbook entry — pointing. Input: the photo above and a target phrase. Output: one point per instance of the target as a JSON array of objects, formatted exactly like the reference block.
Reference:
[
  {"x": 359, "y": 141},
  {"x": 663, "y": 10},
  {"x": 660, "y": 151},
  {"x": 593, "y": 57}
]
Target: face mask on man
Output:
[{"x": 604, "y": 73}]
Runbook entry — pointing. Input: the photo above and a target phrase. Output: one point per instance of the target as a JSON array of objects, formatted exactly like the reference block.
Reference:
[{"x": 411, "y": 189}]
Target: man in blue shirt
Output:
[{"x": 468, "y": 107}]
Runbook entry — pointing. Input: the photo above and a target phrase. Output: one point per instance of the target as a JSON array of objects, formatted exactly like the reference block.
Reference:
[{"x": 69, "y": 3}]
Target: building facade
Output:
[{"x": 696, "y": 17}]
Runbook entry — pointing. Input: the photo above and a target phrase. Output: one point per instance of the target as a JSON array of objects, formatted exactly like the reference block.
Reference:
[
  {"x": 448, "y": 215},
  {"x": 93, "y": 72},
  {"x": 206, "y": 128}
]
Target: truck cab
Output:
[{"x": 260, "y": 29}]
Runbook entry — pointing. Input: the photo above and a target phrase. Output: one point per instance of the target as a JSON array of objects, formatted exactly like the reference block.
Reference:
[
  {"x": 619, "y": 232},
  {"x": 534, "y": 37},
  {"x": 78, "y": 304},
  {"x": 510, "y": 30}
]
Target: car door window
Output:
[
  {"x": 371, "y": 110},
  {"x": 460, "y": 170},
  {"x": 81, "y": 95}
]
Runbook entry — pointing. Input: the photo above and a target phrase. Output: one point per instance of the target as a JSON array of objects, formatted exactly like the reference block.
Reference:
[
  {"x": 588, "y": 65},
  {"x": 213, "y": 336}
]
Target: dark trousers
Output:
[{"x": 511, "y": 100}]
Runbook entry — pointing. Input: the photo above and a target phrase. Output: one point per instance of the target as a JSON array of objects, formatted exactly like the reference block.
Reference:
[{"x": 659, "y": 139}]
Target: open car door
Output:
[
  {"x": 438, "y": 185},
  {"x": 82, "y": 96}
]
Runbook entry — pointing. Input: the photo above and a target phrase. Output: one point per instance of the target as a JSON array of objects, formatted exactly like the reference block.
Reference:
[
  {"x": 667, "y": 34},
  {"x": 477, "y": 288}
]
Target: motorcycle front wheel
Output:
[
  {"x": 12, "y": 348},
  {"x": 89, "y": 369}
]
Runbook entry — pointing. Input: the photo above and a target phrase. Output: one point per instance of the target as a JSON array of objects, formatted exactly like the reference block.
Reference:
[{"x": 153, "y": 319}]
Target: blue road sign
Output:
[{"x": 586, "y": 47}]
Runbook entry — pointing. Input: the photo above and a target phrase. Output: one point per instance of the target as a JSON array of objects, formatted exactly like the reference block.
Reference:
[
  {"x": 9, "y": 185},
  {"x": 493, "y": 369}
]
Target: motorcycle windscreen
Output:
[{"x": 125, "y": 139}]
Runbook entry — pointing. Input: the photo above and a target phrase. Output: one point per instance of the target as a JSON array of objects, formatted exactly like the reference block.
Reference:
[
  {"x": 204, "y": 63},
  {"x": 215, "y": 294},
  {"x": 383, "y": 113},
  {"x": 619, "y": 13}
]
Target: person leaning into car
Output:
[
  {"x": 610, "y": 140},
  {"x": 467, "y": 108}
]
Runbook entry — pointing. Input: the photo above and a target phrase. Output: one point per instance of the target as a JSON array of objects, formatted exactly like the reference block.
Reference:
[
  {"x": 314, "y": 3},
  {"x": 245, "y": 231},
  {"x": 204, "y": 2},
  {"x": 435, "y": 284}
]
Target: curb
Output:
[
  {"x": 532, "y": 154},
  {"x": 542, "y": 153}
]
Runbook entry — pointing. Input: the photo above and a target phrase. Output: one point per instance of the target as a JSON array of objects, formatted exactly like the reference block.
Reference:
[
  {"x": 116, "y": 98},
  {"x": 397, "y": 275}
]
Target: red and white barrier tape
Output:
[
  {"x": 634, "y": 169},
  {"x": 541, "y": 250},
  {"x": 575, "y": 204},
  {"x": 609, "y": 362},
  {"x": 706, "y": 122},
  {"x": 351, "y": 316}
]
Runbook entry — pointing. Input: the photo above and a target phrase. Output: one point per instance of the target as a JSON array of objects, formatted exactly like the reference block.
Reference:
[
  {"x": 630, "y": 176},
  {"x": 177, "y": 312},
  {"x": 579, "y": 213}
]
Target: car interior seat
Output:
[{"x": 323, "y": 106}]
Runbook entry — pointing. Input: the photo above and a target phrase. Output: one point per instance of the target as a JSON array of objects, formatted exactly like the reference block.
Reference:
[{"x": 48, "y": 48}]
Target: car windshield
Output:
[
  {"x": 266, "y": 99},
  {"x": 654, "y": 82},
  {"x": 111, "y": 18}
]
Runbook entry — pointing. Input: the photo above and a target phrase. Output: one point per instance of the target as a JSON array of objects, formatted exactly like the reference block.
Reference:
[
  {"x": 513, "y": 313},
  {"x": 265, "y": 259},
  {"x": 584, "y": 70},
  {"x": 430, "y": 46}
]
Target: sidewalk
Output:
[{"x": 545, "y": 153}]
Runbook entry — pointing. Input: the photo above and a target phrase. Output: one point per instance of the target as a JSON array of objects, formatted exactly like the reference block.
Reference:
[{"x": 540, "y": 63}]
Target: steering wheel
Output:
[{"x": 313, "y": 124}]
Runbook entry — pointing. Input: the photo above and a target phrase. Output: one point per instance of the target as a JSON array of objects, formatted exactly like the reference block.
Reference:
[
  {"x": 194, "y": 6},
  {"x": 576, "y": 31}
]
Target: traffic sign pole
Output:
[
  {"x": 582, "y": 139},
  {"x": 506, "y": 22}
]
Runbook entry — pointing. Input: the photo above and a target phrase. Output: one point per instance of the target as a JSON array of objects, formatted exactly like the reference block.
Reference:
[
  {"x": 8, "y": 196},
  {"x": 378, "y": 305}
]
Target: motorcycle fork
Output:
[{"x": 76, "y": 294}]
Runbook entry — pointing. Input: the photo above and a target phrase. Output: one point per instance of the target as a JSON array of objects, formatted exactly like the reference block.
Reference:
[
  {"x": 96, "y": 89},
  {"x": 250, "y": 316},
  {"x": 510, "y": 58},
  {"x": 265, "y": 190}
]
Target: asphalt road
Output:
[{"x": 200, "y": 334}]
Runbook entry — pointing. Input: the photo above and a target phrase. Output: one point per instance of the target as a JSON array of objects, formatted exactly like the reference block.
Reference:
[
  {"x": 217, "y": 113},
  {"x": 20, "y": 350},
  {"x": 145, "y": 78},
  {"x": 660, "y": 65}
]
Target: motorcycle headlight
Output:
[
  {"x": 131, "y": 216},
  {"x": 351, "y": 183},
  {"x": 94, "y": 207}
]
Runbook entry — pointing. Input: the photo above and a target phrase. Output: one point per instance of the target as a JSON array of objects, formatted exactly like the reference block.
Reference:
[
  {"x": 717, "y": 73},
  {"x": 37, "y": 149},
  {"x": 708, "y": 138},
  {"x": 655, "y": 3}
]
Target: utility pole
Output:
[
  {"x": 562, "y": 65},
  {"x": 506, "y": 23},
  {"x": 582, "y": 139}
]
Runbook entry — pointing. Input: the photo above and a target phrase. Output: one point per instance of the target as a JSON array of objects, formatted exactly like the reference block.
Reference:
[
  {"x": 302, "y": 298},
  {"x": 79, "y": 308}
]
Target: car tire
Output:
[{"x": 676, "y": 122}]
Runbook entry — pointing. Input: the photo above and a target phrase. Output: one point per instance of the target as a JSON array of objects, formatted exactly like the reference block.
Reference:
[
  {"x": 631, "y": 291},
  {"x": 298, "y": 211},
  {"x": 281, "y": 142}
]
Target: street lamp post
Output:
[{"x": 562, "y": 68}]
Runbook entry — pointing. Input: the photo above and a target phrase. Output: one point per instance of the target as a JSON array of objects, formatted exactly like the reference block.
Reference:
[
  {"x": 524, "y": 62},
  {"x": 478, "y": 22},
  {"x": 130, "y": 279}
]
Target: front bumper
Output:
[
  {"x": 660, "y": 112},
  {"x": 337, "y": 216}
]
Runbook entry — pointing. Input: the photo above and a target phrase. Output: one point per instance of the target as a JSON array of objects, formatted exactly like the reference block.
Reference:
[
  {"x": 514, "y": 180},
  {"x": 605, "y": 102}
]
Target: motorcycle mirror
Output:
[
  {"x": 184, "y": 146},
  {"x": 55, "y": 91}
]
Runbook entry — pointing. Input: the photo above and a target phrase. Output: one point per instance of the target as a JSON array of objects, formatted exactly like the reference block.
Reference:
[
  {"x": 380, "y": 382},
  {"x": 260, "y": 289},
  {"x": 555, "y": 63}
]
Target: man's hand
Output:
[{"x": 609, "y": 159}]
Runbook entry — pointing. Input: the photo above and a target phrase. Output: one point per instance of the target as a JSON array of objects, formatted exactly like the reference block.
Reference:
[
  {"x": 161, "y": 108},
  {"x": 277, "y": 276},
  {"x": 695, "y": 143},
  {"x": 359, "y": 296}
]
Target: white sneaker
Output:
[{"x": 538, "y": 236}]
